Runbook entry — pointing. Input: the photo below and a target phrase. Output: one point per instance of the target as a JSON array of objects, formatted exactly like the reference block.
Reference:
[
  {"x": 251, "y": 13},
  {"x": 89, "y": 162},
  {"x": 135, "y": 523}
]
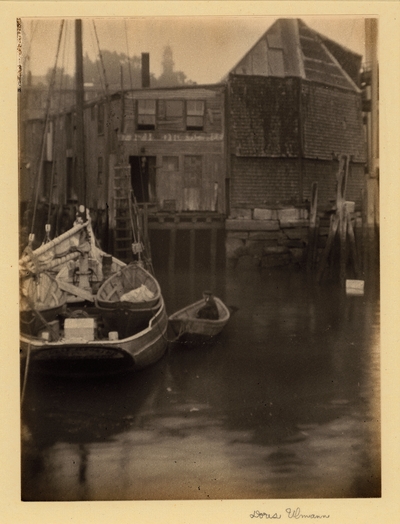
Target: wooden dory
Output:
[
  {"x": 184, "y": 321},
  {"x": 133, "y": 277}
]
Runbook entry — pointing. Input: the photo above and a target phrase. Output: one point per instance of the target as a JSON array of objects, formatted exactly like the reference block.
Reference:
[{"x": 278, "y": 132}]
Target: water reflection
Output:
[{"x": 285, "y": 404}]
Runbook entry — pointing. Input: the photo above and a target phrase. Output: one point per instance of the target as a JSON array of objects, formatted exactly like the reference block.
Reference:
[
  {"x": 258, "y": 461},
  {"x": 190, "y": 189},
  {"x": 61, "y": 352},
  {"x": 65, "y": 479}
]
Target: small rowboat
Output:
[
  {"x": 184, "y": 322},
  {"x": 132, "y": 287}
]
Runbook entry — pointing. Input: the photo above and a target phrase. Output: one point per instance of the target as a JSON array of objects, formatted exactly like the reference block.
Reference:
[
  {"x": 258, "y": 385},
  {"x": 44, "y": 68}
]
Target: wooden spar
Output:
[
  {"x": 58, "y": 261},
  {"x": 50, "y": 245},
  {"x": 75, "y": 290},
  {"x": 80, "y": 138}
]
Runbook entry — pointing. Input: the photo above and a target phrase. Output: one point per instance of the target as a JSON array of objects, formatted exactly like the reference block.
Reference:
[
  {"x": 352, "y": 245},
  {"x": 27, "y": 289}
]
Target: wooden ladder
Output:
[{"x": 121, "y": 213}]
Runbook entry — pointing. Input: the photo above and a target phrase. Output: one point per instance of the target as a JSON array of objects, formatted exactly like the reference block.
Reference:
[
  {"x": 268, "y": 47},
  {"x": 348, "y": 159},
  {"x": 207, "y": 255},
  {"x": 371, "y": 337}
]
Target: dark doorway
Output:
[{"x": 143, "y": 177}]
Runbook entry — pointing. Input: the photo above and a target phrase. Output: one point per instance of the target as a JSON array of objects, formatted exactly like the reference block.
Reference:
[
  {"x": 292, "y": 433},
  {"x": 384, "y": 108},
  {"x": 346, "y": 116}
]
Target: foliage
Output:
[{"x": 117, "y": 70}]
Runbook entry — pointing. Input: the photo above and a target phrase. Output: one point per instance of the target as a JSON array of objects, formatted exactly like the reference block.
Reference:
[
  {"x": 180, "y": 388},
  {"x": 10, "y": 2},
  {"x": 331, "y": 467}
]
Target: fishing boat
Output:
[
  {"x": 186, "y": 325},
  {"x": 61, "y": 319},
  {"x": 80, "y": 306}
]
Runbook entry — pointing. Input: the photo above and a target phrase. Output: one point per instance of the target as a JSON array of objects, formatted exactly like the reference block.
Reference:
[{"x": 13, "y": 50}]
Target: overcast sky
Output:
[{"x": 204, "y": 48}]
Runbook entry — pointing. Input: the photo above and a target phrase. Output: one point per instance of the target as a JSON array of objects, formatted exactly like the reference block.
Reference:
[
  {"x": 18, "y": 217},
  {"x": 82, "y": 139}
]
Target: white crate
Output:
[
  {"x": 354, "y": 287},
  {"x": 80, "y": 328}
]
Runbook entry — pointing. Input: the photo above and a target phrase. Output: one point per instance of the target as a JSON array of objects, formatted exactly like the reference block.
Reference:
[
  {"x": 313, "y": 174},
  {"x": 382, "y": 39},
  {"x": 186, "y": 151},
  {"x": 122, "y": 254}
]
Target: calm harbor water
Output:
[{"x": 285, "y": 404}]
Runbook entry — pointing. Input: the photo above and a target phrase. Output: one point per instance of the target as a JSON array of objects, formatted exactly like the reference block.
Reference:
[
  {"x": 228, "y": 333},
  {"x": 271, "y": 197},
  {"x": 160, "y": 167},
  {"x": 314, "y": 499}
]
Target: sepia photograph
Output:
[
  {"x": 199, "y": 235},
  {"x": 199, "y": 260}
]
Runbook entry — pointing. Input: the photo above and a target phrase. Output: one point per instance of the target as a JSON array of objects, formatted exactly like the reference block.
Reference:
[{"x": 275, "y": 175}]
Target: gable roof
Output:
[{"x": 291, "y": 48}]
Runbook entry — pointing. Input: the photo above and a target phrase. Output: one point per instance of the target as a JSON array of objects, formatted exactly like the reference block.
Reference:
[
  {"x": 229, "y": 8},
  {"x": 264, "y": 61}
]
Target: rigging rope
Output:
[
  {"x": 48, "y": 103},
  {"x": 97, "y": 64},
  {"x": 61, "y": 101},
  {"x": 101, "y": 61}
]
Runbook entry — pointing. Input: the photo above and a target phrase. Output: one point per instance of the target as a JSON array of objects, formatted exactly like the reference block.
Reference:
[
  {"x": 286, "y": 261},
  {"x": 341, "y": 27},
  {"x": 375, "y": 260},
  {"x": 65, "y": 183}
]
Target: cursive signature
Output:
[
  {"x": 297, "y": 514},
  {"x": 291, "y": 514},
  {"x": 260, "y": 515}
]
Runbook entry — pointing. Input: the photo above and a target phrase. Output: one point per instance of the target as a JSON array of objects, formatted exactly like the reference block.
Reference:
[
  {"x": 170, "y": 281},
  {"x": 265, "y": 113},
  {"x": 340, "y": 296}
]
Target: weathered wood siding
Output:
[
  {"x": 332, "y": 122},
  {"x": 190, "y": 163},
  {"x": 264, "y": 116},
  {"x": 282, "y": 135}
]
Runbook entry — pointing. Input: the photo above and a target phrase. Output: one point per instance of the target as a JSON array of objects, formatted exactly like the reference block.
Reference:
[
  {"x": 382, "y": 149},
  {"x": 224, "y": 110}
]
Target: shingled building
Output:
[{"x": 294, "y": 104}]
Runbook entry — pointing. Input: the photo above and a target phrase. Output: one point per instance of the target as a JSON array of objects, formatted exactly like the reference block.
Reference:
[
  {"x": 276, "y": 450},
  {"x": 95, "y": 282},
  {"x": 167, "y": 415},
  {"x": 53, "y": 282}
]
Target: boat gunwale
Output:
[
  {"x": 116, "y": 304},
  {"x": 36, "y": 342},
  {"x": 177, "y": 315}
]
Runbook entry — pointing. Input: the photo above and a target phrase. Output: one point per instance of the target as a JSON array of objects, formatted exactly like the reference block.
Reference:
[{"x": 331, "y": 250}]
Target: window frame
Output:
[
  {"x": 146, "y": 127},
  {"x": 195, "y": 114}
]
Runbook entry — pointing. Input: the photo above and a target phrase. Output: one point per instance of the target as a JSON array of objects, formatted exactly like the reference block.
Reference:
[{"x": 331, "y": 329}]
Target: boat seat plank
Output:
[{"x": 74, "y": 290}]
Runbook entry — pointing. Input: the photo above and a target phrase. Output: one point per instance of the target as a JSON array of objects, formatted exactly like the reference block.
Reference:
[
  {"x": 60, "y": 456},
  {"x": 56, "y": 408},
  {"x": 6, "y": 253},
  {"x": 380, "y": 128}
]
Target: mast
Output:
[
  {"x": 80, "y": 150},
  {"x": 83, "y": 272}
]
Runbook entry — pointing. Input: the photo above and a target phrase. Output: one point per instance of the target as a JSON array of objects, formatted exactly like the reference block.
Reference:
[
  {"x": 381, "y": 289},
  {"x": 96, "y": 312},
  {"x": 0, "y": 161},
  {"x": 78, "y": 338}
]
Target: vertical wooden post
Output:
[
  {"x": 312, "y": 234},
  {"x": 343, "y": 217},
  {"x": 353, "y": 247},
  {"x": 172, "y": 246},
  {"x": 343, "y": 251},
  {"x": 332, "y": 232},
  {"x": 364, "y": 230}
]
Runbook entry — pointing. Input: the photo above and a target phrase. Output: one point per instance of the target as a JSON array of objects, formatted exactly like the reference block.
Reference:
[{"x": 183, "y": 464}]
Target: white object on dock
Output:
[
  {"x": 80, "y": 328},
  {"x": 354, "y": 287},
  {"x": 113, "y": 335}
]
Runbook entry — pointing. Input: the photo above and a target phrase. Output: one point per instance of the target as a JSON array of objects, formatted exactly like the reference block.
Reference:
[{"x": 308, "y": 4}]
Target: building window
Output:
[
  {"x": 100, "y": 119},
  {"x": 170, "y": 163},
  {"x": 193, "y": 170},
  {"x": 93, "y": 112},
  {"x": 146, "y": 115},
  {"x": 100, "y": 163},
  {"x": 194, "y": 115}
]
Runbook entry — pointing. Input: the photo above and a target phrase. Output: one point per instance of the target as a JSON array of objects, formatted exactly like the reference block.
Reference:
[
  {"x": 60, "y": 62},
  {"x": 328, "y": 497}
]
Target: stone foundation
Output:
[
  {"x": 266, "y": 237},
  {"x": 272, "y": 236}
]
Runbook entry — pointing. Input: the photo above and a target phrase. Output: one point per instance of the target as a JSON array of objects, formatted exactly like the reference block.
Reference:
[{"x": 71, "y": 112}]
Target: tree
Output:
[{"x": 120, "y": 71}]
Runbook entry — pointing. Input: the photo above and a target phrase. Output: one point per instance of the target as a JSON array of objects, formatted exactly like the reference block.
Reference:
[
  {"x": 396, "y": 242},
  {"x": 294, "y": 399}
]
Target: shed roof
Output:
[{"x": 291, "y": 48}]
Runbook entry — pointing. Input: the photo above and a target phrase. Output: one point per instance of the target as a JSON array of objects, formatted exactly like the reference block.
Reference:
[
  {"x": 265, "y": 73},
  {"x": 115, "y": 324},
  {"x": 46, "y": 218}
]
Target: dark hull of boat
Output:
[
  {"x": 135, "y": 352},
  {"x": 125, "y": 320},
  {"x": 31, "y": 323}
]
